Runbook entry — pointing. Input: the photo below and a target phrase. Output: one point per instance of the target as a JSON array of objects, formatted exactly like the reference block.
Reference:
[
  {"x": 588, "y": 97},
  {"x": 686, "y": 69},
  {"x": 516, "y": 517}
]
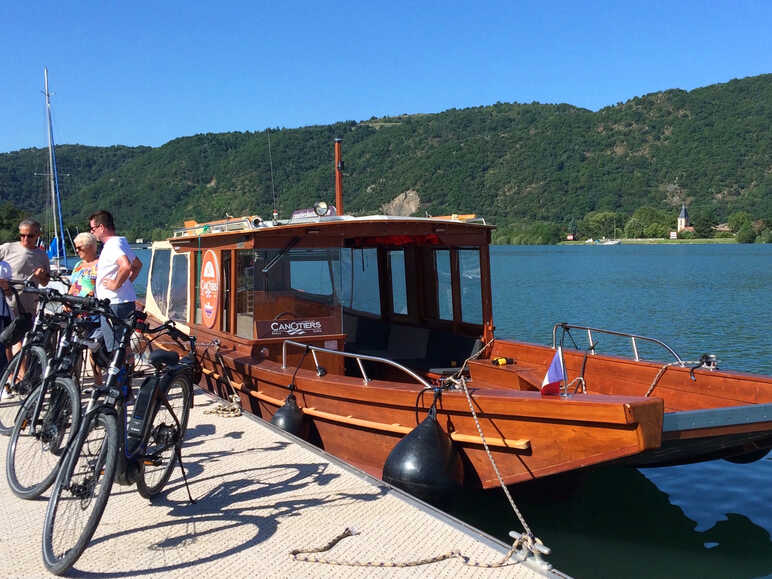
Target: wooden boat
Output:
[{"x": 363, "y": 319}]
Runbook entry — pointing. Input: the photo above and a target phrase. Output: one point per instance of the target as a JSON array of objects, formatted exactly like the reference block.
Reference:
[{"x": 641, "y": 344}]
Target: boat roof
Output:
[{"x": 369, "y": 230}]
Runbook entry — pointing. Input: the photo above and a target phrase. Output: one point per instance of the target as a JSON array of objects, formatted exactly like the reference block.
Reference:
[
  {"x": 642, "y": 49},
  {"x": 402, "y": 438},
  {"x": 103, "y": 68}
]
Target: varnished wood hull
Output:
[{"x": 529, "y": 435}]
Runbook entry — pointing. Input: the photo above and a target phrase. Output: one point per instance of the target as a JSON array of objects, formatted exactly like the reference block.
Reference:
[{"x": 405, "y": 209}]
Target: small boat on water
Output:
[{"x": 374, "y": 338}]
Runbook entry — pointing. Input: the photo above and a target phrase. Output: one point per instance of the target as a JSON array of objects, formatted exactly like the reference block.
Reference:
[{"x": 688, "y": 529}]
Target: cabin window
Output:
[
  {"x": 245, "y": 292},
  {"x": 159, "y": 277},
  {"x": 226, "y": 294},
  {"x": 178, "y": 292},
  {"x": 398, "y": 282},
  {"x": 471, "y": 288},
  {"x": 360, "y": 282},
  {"x": 198, "y": 315},
  {"x": 312, "y": 272},
  {"x": 292, "y": 293},
  {"x": 444, "y": 284}
]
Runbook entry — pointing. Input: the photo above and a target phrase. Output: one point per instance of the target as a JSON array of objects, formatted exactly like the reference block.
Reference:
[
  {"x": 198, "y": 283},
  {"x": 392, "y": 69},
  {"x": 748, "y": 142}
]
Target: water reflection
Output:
[{"x": 615, "y": 522}]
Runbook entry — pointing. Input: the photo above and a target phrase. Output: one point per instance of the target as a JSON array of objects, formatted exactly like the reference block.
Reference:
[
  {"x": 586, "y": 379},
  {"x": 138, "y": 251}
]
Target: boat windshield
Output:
[{"x": 282, "y": 293}]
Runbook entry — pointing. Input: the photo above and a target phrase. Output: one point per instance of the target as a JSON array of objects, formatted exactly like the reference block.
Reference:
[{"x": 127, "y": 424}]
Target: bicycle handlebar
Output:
[{"x": 54, "y": 295}]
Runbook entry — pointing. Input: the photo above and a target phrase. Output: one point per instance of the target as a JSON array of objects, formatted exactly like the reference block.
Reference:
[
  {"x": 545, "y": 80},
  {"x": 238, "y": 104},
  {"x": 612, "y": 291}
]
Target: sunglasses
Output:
[
  {"x": 29, "y": 235},
  {"x": 94, "y": 228}
]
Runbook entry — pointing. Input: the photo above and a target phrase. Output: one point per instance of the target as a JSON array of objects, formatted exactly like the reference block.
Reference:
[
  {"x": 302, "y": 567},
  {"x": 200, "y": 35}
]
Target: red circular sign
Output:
[{"x": 209, "y": 288}]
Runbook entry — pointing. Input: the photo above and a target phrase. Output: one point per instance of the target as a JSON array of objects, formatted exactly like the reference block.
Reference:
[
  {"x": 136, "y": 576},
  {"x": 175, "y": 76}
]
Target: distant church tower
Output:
[{"x": 683, "y": 218}]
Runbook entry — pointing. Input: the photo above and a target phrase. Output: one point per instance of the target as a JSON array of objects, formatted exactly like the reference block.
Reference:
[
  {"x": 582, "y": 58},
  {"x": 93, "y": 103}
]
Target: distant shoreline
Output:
[{"x": 700, "y": 241}]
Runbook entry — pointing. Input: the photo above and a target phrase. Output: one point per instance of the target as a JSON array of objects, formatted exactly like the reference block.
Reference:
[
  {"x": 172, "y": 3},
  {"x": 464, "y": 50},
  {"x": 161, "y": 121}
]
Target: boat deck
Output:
[{"x": 260, "y": 494}]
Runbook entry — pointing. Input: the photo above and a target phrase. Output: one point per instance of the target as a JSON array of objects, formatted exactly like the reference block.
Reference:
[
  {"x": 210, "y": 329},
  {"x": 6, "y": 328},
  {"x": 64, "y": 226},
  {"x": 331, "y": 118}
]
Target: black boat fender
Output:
[
  {"x": 425, "y": 462},
  {"x": 289, "y": 416}
]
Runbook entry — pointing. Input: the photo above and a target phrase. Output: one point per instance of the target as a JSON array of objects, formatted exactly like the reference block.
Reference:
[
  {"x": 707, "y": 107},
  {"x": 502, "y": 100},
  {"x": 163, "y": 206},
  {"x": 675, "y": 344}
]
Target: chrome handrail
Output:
[
  {"x": 634, "y": 338},
  {"x": 358, "y": 357}
]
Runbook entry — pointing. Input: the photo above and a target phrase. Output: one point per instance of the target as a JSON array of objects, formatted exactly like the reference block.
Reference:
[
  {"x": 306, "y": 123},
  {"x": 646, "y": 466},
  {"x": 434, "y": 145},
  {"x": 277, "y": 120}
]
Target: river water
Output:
[{"x": 705, "y": 520}]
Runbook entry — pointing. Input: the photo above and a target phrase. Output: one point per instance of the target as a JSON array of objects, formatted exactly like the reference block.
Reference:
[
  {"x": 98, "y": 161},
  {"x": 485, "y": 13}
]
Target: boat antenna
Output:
[
  {"x": 273, "y": 190},
  {"x": 61, "y": 250},
  {"x": 338, "y": 177}
]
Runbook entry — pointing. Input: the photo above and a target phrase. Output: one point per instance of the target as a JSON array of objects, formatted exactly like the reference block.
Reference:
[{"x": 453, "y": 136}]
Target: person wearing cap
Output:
[{"x": 27, "y": 261}]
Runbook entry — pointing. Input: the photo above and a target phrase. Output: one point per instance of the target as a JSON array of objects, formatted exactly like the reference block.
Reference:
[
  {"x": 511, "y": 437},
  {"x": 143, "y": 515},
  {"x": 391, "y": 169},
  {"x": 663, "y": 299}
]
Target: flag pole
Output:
[{"x": 564, "y": 390}]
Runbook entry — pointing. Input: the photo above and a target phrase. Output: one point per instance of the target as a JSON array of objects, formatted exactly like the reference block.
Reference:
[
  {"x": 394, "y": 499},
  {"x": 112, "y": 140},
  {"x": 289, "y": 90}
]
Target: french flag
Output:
[{"x": 555, "y": 375}]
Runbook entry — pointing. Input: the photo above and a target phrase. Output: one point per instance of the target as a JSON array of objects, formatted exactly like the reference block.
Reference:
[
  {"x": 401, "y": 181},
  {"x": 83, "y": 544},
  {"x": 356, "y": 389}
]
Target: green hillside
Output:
[{"x": 535, "y": 170}]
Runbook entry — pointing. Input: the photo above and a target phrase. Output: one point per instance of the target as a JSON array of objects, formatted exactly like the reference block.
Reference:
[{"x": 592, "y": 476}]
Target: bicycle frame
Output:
[
  {"x": 38, "y": 335},
  {"x": 61, "y": 364},
  {"x": 115, "y": 392}
]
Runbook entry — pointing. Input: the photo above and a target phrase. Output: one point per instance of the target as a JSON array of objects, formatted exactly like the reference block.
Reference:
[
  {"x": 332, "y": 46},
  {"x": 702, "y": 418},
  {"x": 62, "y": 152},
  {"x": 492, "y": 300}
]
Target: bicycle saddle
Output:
[{"x": 161, "y": 358}]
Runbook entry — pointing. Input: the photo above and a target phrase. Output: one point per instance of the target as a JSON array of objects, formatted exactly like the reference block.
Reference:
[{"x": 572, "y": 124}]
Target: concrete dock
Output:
[{"x": 260, "y": 495}]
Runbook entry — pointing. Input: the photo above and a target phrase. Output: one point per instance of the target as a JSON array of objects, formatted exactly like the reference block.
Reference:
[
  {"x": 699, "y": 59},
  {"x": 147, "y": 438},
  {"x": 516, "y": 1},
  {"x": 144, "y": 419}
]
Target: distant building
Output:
[
  {"x": 683, "y": 219},
  {"x": 570, "y": 237}
]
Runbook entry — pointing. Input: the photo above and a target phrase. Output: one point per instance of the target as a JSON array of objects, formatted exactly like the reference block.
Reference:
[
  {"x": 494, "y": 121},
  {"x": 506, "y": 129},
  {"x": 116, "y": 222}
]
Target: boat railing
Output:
[
  {"x": 358, "y": 357},
  {"x": 634, "y": 339}
]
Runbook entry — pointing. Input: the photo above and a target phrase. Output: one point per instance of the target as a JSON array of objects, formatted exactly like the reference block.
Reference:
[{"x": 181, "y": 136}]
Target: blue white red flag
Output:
[{"x": 555, "y": 375}]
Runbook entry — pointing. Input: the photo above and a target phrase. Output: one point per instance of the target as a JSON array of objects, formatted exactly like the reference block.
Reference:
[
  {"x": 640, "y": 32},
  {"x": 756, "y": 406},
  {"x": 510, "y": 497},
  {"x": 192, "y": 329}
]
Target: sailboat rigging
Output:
[{"x": 57, "y": 250}]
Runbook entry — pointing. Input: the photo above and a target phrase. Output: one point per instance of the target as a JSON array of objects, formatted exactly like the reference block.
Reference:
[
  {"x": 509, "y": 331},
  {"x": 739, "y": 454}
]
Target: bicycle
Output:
[
  {"x": 50, "y": 416},
  {"x": 109, "y": 446},
  {"x": 25, "y": 370}
]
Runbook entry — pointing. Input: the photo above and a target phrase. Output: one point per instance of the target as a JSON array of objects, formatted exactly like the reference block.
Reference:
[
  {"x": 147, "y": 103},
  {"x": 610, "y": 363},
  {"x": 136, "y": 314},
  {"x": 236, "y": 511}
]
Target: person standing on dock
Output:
[
  {"x": 27, "y": 261},
  {"x": 117, "y": 268}
]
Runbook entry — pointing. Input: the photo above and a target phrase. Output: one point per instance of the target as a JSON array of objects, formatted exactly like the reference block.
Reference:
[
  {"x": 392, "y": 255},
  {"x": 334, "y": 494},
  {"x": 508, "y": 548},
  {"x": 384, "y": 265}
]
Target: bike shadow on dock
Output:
[{"x": 244, "y": 489}]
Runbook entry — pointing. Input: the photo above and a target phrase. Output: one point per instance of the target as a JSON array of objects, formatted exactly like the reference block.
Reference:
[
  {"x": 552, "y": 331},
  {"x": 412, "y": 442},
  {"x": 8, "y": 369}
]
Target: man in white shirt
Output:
[{"x": 116, "y": 269}]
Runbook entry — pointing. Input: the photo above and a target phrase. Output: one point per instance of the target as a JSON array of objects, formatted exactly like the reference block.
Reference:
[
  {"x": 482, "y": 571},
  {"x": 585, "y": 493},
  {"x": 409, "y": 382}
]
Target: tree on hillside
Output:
[
  {"x": 746, "y": 234},
  {"x": 738, "y": 219},
  {"x": 10, "y": 217}
]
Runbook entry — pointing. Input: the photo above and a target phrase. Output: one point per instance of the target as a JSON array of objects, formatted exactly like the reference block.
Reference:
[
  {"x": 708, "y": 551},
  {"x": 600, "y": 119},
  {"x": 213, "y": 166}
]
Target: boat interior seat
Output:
[{"x": 435, "y": 350}]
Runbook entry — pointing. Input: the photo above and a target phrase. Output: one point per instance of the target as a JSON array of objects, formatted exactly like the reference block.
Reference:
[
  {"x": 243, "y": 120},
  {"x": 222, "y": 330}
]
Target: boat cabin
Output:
[{"x": 418, "y": 295}]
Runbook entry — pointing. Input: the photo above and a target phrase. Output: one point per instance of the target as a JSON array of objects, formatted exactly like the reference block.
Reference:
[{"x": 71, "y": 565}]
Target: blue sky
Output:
[{"x": 143, "y": 73}]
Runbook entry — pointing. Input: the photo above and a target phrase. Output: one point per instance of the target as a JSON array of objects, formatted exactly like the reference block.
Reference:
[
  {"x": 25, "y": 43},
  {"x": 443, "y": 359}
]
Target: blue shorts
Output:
[{"x": 123, "y": 311}]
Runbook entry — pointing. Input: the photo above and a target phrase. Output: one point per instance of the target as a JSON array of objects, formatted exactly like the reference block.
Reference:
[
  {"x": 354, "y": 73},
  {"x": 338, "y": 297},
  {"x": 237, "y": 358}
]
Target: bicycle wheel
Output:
[
  {"x": 165, "y": 436},
  {"x": 21, "y": 376},
  {"x": 34, "y": 452},
  {"x": 80, "y": 493}
]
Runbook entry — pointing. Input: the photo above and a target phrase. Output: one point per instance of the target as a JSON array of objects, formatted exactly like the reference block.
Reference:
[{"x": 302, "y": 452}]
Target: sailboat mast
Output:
[{"x": 54, "y": 178}]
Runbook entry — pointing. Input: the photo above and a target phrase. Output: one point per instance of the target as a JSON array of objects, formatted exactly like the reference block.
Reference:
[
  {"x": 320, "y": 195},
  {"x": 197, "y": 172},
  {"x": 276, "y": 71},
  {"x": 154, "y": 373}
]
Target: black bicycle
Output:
[
  {"x": 142, "y": 449},
  {"x": 25, "y": 371},
  {"x": 50, "y": 416}
]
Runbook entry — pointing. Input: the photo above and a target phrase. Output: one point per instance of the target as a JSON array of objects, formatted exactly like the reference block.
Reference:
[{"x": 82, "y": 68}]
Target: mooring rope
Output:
[
  {"x": 304, "y": 555},
  {"x": 524, "y": 543},
  {"x": 462, "y": 382},
  {"x": 527, "y": 540}
]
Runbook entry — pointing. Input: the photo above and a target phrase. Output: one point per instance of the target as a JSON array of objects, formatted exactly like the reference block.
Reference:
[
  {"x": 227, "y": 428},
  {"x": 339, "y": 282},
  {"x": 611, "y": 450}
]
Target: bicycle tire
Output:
[
  {"x": 13, "y": 391},
  {"x": 33, "y": 456},
  {"x": 179, "y": 395},
  {"x": 89, "y": 465}
]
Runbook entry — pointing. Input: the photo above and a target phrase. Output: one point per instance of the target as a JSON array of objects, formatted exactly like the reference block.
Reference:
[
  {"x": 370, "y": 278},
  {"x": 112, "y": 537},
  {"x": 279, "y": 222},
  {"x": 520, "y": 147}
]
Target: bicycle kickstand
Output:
[{"x": 184, "y": 478}]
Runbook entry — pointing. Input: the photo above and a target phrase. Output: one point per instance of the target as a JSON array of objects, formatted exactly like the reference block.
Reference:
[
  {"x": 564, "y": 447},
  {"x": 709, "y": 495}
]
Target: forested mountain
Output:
[{"x": 536, "y": 170}]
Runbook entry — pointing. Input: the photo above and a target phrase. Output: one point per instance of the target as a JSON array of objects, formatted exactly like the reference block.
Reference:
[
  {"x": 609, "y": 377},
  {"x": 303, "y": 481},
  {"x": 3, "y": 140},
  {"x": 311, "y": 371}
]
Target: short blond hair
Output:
[{"x": 86, "y": 238}]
